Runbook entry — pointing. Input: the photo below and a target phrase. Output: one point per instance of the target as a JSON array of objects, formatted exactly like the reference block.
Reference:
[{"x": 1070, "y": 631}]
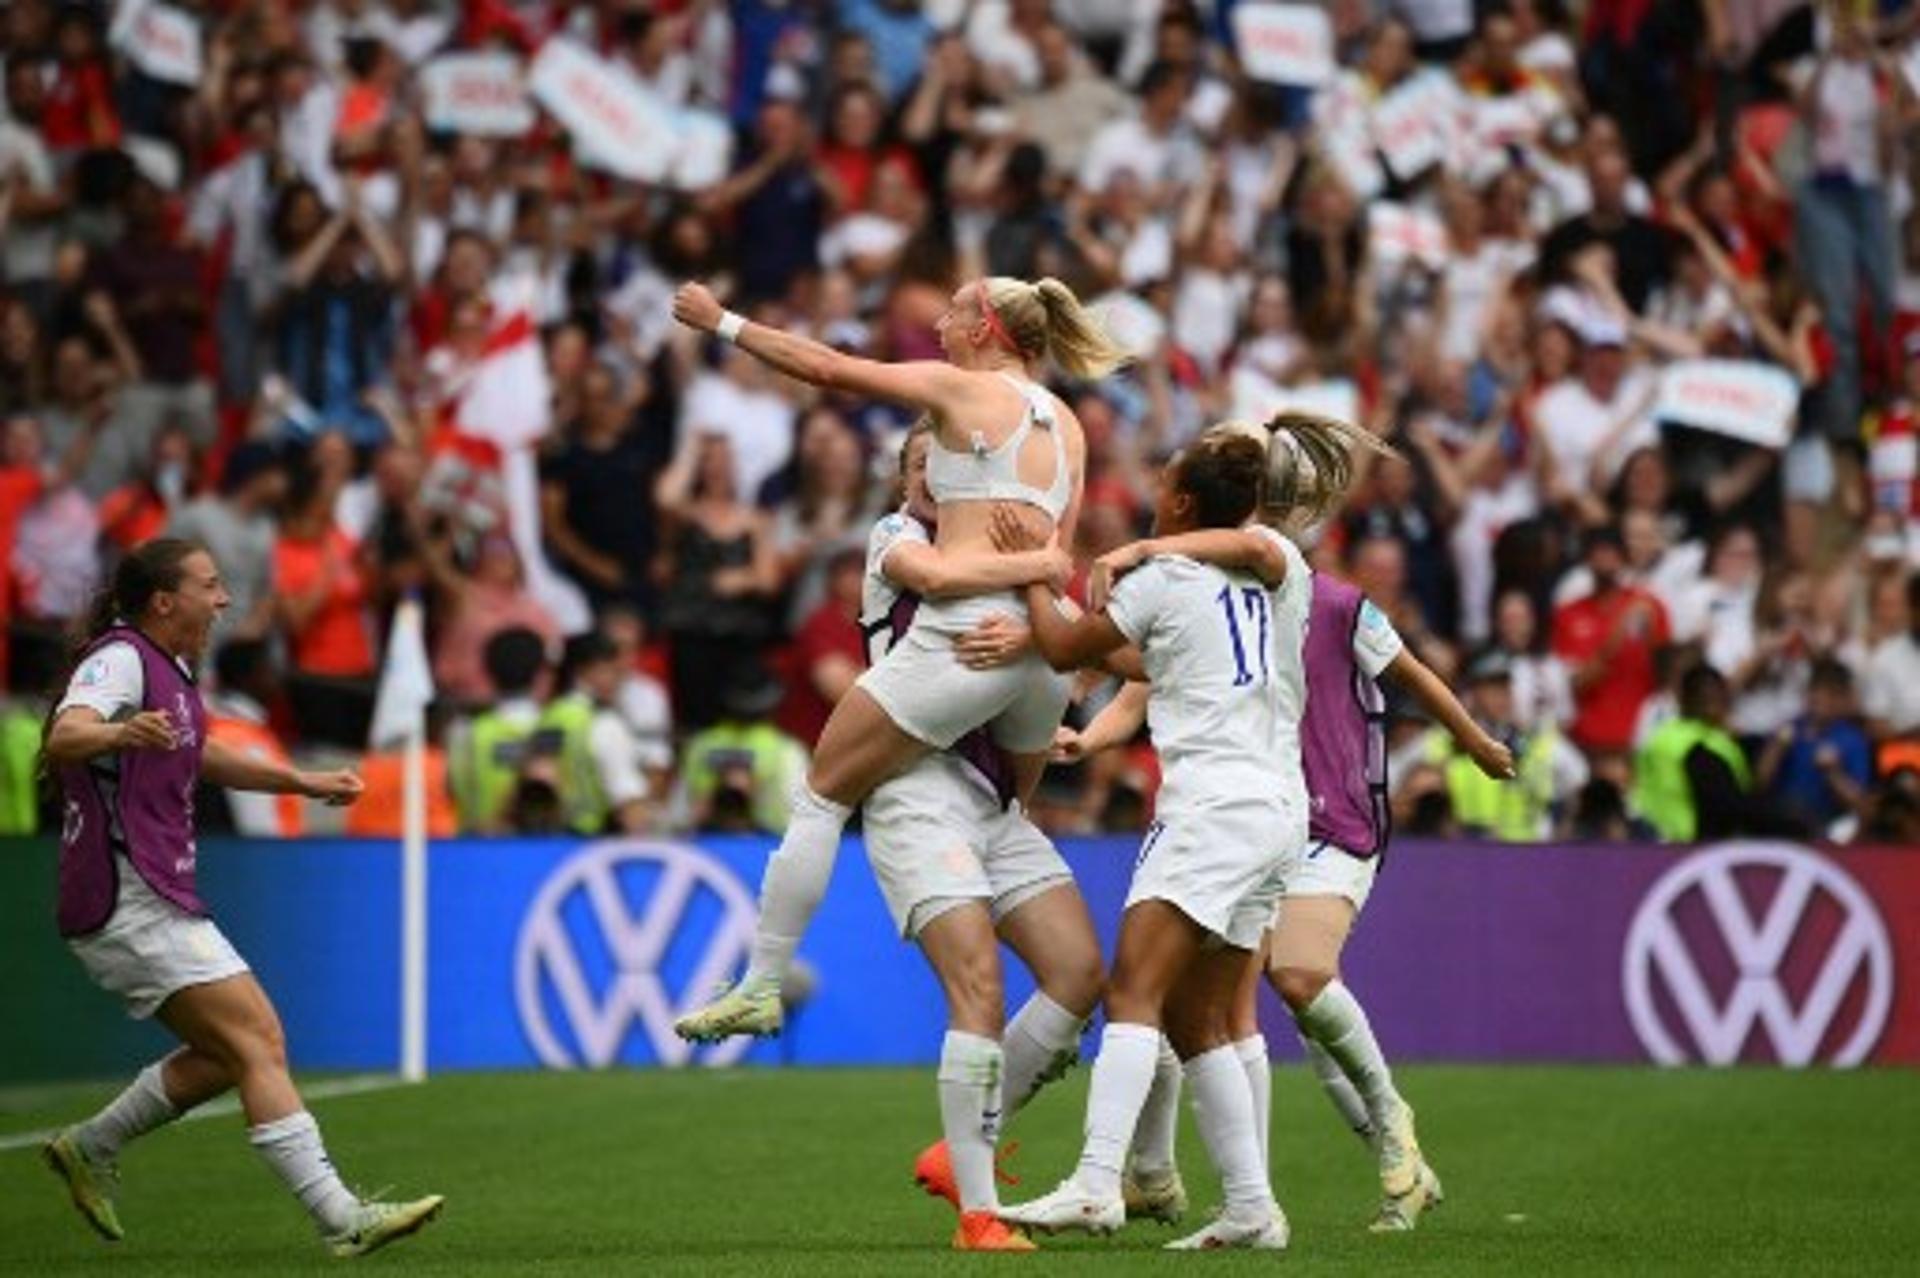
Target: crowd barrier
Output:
[{"x": 567, "y": 954}]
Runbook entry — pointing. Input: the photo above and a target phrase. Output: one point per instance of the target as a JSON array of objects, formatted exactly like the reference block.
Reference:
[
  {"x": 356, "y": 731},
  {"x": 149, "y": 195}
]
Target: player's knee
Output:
[
  {"x": 1298, "y": 986},
  {"x": 1077, "y": 984},
  {"x": 1194, "y": 1031},
  {"x": 1131, "y": 1003}
]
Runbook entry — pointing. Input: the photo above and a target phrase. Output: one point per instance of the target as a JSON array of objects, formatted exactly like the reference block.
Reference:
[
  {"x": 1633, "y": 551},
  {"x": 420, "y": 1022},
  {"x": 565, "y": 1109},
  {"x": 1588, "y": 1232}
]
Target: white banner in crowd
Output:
[
  {"x": 1256, "y": 397},
  {"x": 1413, "y": 124},
  {"x": 478, "y": 93},
  {"x": 705, "y": 152},
  {"x": 1399, "y": 232},
  {"x": 1284, "y": 43},
  {"x": 1742, "y": 399},
  {"x": 617, "y": 124},
  {"x": 164, "y": 42}
]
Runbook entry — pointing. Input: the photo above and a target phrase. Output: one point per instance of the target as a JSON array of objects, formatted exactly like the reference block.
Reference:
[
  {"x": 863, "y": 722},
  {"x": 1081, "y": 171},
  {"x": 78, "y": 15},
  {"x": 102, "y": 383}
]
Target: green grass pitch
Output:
[{"x": 1548, "y": 1171}]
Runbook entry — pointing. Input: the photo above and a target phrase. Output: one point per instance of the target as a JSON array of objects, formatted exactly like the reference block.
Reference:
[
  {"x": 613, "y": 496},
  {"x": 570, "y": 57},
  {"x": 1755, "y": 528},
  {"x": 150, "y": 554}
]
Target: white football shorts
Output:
[
  {"x": 1225, "y": 867},
  {"x": 937, "y": 838},
  {"x": 151, "y": 949},
  {"x": 932, "y": 697}
]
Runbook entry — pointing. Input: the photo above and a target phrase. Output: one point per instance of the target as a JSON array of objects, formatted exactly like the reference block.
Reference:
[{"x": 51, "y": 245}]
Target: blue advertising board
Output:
[{"x": 563, "y": 954}]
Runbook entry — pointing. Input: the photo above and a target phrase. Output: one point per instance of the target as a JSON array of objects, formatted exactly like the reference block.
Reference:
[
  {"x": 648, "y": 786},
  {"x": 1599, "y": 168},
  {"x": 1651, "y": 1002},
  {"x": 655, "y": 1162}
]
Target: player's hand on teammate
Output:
[
  {"x": 1494, "y": 758},
  {"x": 148, "y": 730},
  {"x": 1068, "y": 746},
  {"x": 335, "y": 789},
  {"x": 1011, "y": 533},
  {"x": 695, "y": 306},
  {"x": 1109, "y": 568},
  {"x": 997, "y": 640}
]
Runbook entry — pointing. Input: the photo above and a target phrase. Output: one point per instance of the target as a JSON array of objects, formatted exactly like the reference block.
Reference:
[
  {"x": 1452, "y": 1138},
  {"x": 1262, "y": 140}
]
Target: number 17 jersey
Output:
[{"x": 1223, "y": 656}]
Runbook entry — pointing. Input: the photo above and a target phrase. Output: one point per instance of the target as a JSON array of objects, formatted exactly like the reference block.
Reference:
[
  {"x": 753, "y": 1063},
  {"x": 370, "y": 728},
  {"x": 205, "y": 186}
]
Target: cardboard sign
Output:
[
  {"x": 616, "y": 124},
  {"x": 704, "y": 154},
  {"x": 1399, "y": 233},
  {"x": 1284, "y": 43},
  {"x": 1412, "y": 125},
  {"x": 163, "y": 41},
  {"x": 1742, "y": 399},
  {"x": 1512, "y": 118},
  {"x": 479, "y": 93}
]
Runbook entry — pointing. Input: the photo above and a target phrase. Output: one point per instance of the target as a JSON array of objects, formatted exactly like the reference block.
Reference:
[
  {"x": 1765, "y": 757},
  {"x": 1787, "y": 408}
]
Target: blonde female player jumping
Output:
[
  {"x": 1221, "y": 650},
  {"x": 998, "y": 438},
  {"x": 1350, "y": 645},
  {"x": 128, "y": 743}
]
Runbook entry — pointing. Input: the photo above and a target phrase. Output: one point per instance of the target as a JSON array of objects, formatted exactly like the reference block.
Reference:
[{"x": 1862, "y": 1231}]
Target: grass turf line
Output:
[{"x": 807, "y": 1172}]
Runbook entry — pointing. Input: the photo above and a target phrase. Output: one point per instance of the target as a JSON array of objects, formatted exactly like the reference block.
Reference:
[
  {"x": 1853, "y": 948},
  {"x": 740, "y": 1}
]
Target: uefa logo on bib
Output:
[
  {"x": 1757, "y": 952},
  {"x": 623, "y": 938}
]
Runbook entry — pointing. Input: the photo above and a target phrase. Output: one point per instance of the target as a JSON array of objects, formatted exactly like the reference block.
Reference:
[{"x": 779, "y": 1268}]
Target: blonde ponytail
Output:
[
  {"x": 1311, "y": 463},
  {"x": 1047, "y": 319}
]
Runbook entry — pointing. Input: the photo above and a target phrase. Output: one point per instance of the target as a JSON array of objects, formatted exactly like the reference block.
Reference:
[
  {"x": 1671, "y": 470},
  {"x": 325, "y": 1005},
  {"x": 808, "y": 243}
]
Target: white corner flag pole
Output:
[
  {"x": 413, "y": 907},
  {"x": 399, "y": 715}
]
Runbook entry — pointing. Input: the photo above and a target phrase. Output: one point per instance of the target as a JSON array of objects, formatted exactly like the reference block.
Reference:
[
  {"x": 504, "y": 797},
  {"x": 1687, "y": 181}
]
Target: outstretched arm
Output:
[
  {"x": 1425, "y": 687},
  {"x": 928, "y": 384},
  {"x": 933, "y": 573},
  {"x": 1069, "y": 644},
  {"x": 225, "y": 766}
]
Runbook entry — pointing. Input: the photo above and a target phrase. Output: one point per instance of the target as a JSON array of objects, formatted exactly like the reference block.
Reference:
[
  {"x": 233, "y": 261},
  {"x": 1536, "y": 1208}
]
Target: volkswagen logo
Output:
[
  {"x": 1761, "y": 941},
  {"x": 592, "y": 957}
]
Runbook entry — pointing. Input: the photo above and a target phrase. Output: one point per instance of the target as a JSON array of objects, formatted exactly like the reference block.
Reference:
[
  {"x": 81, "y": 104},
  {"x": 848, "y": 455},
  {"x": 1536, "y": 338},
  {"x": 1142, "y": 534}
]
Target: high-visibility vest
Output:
[
  {"x": 1515, "y": 811},
  {"x": 582, "y": 797},
  {"x": 19, "y": 771},
  {"x": 256, "y": 740},
  {"x": 777, "y": 761},
  {"x": 1660, "y": 787},
  {"x": 488, "y": 767}
]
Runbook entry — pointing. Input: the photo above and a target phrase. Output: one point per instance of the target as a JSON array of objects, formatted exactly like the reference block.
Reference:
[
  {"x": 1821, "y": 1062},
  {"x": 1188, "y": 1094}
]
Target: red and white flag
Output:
[{"x": 506, "y": 400}]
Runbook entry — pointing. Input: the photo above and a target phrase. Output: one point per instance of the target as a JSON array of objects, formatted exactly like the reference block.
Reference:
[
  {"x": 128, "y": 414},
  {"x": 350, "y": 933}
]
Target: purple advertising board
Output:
[{"x": 1738, "y": 953}]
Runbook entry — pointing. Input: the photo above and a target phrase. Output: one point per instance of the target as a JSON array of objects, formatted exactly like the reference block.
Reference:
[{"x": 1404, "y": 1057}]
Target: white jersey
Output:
[
  {"x": 1223, "y": 659},
  {"x": 880, "y": 594}
]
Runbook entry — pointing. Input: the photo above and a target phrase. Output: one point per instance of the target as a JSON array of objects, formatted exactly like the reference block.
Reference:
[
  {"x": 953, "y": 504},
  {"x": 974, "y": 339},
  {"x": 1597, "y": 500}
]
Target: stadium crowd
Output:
[{"x": 277, "y": 296}]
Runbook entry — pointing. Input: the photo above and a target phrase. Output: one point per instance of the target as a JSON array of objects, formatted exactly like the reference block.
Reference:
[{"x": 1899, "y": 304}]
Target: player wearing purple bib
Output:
[
  {"x": 1349, "y": 645},
  {"x": 127, "y": 745}
]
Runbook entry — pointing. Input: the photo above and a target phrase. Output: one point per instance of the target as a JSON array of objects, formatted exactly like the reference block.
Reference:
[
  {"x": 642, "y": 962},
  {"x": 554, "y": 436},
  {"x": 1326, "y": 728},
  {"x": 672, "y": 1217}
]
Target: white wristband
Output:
[{"x": 728, "y": 329}]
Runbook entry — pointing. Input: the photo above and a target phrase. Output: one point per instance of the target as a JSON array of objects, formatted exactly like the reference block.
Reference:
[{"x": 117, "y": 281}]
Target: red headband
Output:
[{"x": 993, "y": 322}]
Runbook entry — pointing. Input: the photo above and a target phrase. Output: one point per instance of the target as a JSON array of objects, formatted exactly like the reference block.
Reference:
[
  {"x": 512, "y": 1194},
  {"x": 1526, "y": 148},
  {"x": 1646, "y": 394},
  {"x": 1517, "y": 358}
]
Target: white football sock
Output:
[
  {"x": 1252, "y": 1052},
  {"x": 136, "y": 1111},
  {"x": 292, "y": 1147},
  {"x": 1336, "y": 1021},
  {"x": 795, "y": 882},
  {"x": 1353, "y": 1110},
  {"x": 1153, "y": 1135},
  {"x": 1122, "y": 1077},
  {"x": 1042, "y": 1042},
  {"x": 970, "y": 1080},
  {"x": 1223, "y": 1111}
]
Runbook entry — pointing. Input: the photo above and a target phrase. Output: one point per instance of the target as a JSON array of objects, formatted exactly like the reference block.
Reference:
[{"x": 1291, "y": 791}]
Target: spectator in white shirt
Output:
[
  {"x": 1155, "y": 146},
  {"x": 1890, "y": 693},
  {"x": 1589, "y": 423}
]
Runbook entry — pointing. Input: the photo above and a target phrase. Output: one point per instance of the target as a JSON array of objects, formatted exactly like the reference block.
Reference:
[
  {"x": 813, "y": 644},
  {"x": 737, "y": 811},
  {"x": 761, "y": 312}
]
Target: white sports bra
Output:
[{"x": 993, "y": 474}]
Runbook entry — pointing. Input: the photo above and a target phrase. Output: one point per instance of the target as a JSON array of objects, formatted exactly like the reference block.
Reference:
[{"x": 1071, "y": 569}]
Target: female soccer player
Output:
[
  {"x": 962, "y": 869},
  {"x": 127, "y": 743},
  {"x": 1221, "y": 651},
  {"x": 1350, "y": 644},
  {"x": 998, "y": 438}
]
